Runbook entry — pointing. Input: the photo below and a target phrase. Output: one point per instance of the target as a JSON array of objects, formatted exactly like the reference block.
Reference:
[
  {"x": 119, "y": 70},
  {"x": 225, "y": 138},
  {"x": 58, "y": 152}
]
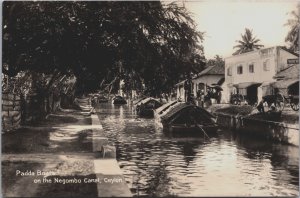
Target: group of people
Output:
[{"x": 201, "y": 96}]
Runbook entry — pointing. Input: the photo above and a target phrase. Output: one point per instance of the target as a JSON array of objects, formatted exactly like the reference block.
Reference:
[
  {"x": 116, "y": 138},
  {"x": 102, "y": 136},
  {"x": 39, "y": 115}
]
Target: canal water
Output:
[{"x": 157, "y": 163}]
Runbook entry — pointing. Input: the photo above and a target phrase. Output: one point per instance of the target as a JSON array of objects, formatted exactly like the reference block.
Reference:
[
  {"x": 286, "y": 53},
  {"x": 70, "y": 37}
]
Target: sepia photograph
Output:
[{"x": 166, "y": 98}]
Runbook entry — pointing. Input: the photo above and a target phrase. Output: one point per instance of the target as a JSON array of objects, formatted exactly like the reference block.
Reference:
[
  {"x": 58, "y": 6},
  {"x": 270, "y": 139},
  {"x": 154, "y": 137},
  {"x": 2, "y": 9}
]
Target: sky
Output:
[{"x": 224, "y": 21}]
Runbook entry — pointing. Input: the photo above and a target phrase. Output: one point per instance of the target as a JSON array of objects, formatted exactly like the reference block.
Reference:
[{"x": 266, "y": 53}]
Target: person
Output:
[
  {"x": 260, "y": 106},
  {"x": 167, "y": 97},
  {"x": 187, "y": 88},
  {"x": 219, "y": 96},
  {"x": 200, "y": 96}
]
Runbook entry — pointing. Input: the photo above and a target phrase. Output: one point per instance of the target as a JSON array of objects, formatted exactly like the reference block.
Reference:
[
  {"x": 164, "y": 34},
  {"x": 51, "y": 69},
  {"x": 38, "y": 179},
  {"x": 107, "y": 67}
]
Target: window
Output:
[
  {"x": 229, "y": 71},
  {"x": 240, "y": 69},
  {"x": 267, "y": 52},
  {"x": 251, "y": 68},
  {"x": 266, "y": 65},
  {"x": 201, "y": 86}
]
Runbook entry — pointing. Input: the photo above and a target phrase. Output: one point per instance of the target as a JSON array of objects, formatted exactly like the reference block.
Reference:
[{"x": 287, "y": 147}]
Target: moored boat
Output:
[
  {"x": 162, "y": 110},
  {"x": 119, "y": 100},
  {"x": 183, "y": 117},
  {"x": 102, "y": 99},
  {"x": 146, "y": 107}
]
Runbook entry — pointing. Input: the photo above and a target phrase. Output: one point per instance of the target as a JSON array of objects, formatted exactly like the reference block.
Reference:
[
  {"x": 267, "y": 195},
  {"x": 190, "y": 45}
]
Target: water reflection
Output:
[{"x": 160, "y": 164}]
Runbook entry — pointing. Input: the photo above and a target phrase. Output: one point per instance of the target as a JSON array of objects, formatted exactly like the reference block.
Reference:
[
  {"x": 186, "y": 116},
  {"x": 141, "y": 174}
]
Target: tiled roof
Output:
[
  {"x": 210, "y": 70},
  {"x": 213, "y": 70},
  {"x": 290, "y": 72}
]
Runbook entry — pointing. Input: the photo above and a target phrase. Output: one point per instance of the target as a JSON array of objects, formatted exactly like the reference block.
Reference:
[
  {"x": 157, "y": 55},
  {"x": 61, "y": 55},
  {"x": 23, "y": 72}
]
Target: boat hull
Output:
[
  {"x": 209, "y": 130},
  {"x": 103, "y": 101},
  {"x": 185, "y": 118},
  {"x": 146, "y": 107},
  {"x": 148, "y": 113},
  {"x": 119, "y": 102}
]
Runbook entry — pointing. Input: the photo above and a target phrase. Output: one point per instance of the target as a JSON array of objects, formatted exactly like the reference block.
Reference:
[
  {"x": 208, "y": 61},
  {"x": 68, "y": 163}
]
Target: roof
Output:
[
  {"x": 165, "y": 106},
  {"x": 179, "y": 107},
  {"x": 289, "y": 51},
  {"x": 283, "y": 84},
  {"x": 180, "y": 83},
  {"x": 290, "y": 72},
  {"x": 267, "y": 83},
  {"x": 212, "y": 70},
  {"x": 257, "y": 50},
  {"x": 174, "y": 110},
  {"x": 146, "y": 100},
  {"x": 246, "y": 84}
]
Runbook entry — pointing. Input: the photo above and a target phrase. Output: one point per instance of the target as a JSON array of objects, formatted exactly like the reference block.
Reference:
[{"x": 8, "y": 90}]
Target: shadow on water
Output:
[{"x": 282, "y": 157}]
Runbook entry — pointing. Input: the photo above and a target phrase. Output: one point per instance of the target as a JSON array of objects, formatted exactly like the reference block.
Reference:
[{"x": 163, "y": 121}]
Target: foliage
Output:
[
  {"x": 247, "y": 43},
  {"x": 147, "y": 43},
  {"x": 217, "y": 60},
  {"x": 26, "y": 82},
  {"x": 293, "y": 35}
]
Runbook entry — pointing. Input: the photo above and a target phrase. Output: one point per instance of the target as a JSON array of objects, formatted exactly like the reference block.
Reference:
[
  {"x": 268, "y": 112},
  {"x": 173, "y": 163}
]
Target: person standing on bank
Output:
[
  {"x": 200, "y": 97},
  {"x": 187, "y": 88}
]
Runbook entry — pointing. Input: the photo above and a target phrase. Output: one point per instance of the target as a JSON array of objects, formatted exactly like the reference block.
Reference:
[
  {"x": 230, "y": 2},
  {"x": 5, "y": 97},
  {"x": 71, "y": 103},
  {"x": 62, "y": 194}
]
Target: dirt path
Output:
[{"x": 59, "y": 147}]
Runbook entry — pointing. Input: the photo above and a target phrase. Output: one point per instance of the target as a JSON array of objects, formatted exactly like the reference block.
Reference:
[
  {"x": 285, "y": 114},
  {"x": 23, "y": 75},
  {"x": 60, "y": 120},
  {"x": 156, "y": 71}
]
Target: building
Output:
[
  {"x": 180, "y": 90},
  {"x": 248, "y": 71},
  {"x": 208, "y": 77},
  {"x": 287, "y": 80}
]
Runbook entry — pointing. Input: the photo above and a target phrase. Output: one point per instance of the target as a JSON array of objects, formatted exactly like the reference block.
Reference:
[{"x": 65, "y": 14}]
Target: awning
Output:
[
  {"x": 267, "y": 84},
  {"x": 216, "y": 86},
  {"x": 221, "y": 81},
  {"x": 180, "y": 83},
  {"x": 284, "y": 84},
  {"x": 245, "y": 85}
]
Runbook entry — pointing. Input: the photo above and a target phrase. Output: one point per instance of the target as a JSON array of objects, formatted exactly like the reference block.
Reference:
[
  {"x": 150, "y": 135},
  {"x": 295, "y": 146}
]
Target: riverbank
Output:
[
  {"x": 276, "y": 126},
  {"x": 68, "y": 147}
]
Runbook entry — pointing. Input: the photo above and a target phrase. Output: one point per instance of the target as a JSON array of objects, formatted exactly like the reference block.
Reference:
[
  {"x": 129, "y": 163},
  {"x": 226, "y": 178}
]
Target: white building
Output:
[
  {"x": 244, "y": 73},
  {"x": 209, "y": 76}
]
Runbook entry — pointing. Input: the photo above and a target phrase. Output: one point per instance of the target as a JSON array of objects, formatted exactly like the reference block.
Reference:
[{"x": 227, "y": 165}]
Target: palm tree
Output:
[
  {"x": 247, "y": 43},
  {"x": 293, "y": 35}
]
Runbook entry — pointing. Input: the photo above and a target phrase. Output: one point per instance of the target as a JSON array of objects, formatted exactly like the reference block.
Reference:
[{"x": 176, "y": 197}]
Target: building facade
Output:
[
  {"x": 244, "y": 73},
  {"x": 208, "y": 77}
]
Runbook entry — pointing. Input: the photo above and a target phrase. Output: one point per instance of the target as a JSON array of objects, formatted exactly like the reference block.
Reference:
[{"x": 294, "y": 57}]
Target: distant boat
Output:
[
  {"x": 102, "y": 99},
  {"x": 146, "y": 107},
  {"x": 182, "y": 117},
  {"x": 118, "y": 100}
]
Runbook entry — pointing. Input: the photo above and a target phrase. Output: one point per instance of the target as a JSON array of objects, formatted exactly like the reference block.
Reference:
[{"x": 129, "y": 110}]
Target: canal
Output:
[{"x": 156, "y": 163}]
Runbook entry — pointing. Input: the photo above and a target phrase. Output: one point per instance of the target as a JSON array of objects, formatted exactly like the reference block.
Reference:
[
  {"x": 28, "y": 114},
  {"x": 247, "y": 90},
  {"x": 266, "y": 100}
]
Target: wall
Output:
[
  {"x": 259, "y": 74},
  {"x": 17, "y": 110},
  {"x": 180, "y": 90},
  {"x": 263, "y": 129},
  {"x": 11, "y": 111}
]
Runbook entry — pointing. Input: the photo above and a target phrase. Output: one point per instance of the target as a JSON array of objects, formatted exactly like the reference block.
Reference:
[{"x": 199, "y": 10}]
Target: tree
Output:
[
  {"x": 102, "y": 42},
  {"x": 247, "y": 43},
  {"x": 217, "y": 60},
  {"x": 293, "y": 35}
]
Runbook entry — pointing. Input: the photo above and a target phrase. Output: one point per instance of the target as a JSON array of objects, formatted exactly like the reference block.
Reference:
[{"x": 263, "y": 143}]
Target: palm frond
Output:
[{"x": 247, "y": 43}]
